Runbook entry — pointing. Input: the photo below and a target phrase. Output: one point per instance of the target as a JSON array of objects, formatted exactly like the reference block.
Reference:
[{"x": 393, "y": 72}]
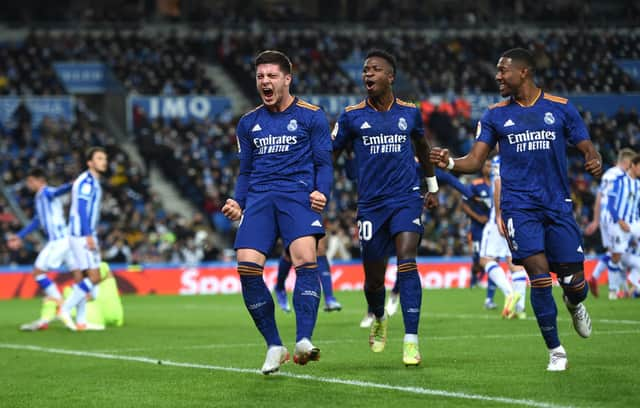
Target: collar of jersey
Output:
[
  {"x": 388, "y": 108},
  {"x": 532, "y": 103}
]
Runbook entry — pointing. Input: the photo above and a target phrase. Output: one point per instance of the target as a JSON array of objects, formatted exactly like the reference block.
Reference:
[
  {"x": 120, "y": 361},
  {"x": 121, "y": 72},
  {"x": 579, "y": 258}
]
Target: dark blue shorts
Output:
[
  {"x": 532, "y": 231},
  {"x": 272, "y": 214},
  {"x": 379, "y": 224}
]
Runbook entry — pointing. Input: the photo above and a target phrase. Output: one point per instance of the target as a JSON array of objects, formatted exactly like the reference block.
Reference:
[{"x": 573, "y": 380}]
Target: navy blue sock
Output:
[
  {"x": 306, "y": 298},
  {"x": 259, "y": 302},
  {"x": 491, "y": 289},
  {"x": 324, "y": 270},
  {"x": 375, "y": 300},
  {"x": 410, "y": 294},
  {"x": 575, "y": 291},
  {"x": 545, "y": 309},
  {"x": 284, "y": 266}
]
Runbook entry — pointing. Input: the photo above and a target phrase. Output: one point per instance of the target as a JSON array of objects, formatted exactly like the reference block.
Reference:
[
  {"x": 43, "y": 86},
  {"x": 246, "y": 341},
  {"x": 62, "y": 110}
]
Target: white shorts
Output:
[
  {"x": 620, "y": 239},
  {"x": 493, "y": 244},
  {"x": 54, "y": 254},
  {"x": 83, "y": 258},
  {"x": 605, "y": 231}
]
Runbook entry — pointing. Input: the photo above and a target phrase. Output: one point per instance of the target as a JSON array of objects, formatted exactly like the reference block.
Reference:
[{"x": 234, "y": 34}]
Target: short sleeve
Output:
[
  {"x": 340, "y": 133},
  {"x": 574, "y": 125},
  {"x": 485, "y": 131},
  {"x": 418, "y": 129}
]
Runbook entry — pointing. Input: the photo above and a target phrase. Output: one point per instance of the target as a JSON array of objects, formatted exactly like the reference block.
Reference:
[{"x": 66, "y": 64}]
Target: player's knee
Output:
[{"x": 571, "y": 278}]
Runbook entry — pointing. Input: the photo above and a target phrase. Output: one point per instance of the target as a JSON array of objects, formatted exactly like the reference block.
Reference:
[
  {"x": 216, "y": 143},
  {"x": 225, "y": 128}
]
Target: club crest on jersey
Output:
[
  {"x": 549, "y": 119},
  {"x": 402, "y": 124},
  {"x": 292, "y": 126}
]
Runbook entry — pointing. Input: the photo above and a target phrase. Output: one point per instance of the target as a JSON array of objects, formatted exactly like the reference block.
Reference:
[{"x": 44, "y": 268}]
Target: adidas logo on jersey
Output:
[
  {"x": 508, "y": 123},
  {"x": 580, "y": 249},
  {"x": 316, "y": 223},
  {"x": 417, "y": 221},
  {"x": 256, "y": 128},
  {"x": 365, "y": 125}
]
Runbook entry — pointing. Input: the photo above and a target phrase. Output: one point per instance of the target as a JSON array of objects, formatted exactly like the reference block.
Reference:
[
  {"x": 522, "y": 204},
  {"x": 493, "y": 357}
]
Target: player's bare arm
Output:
[
  {"x": 470, "y": 163},
  {"x": 232, "y": 210},
  {"x": 593, "y": 225},
  {"x": 592, "y": 159},
  {"x": 422, "y": 150}
]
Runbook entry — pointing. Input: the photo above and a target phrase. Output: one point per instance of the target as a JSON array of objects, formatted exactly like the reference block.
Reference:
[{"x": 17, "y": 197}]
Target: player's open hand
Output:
[
  {"x": 318, "y": 201},
  {"x": 14, "y": 242},
  {"x": 431, "y": 201},
  {"x": 232, "y": 210},
  {"x": 439, "y": 157},
  {"x": 594, "y": 166}
]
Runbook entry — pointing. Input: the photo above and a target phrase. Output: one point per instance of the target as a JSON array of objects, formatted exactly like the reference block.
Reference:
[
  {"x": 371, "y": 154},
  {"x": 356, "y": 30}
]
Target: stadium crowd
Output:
[
  {"x": 134, "y": 226},
  {"x": 200, "y": 156}
]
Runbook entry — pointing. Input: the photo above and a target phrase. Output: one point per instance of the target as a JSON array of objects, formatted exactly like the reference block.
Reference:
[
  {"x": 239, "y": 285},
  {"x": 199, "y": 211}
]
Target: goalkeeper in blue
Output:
[
  {"x": 532, "y": 129},
  {"x": 285, "y": 179},
  {"x": 385, "y": 133}
]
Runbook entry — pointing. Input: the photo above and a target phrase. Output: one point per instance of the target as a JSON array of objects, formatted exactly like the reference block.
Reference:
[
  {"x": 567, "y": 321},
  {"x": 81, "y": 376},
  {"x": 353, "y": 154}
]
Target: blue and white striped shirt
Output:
[
  {"x": 624, "y": 199},
  {"x": 606, "y": 183},
  {"x": 49, "y": 213},
  {"x": 84, "y": 213}
]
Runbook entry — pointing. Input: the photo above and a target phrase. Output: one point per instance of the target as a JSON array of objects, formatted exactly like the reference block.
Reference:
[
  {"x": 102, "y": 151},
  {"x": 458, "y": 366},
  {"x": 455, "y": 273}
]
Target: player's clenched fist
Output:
[
  {"x": 232, "y": 210},
  {"x": 318, "y": 201},
  {"x": 594, "y": 165},
  {"x": 439, "y": 157}
]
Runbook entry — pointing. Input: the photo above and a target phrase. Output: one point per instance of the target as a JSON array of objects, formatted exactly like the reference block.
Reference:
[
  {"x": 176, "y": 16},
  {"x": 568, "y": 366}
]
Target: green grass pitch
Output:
[{"x": 205, "y": 351}]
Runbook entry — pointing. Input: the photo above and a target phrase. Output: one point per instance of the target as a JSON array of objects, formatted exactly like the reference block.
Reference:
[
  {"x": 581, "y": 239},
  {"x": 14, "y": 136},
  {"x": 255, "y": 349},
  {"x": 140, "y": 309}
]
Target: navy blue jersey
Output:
[
  {"x": 284, "y": 151},
  {"x": 533, "y": 145},
  {"x": 382, "y": 142},
  {"x": 480, "y": 203}
]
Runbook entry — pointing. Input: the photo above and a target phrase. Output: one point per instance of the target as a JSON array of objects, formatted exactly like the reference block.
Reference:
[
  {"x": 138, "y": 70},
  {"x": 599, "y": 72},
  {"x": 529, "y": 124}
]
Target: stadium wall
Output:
[{"x": 222, "y": 278}]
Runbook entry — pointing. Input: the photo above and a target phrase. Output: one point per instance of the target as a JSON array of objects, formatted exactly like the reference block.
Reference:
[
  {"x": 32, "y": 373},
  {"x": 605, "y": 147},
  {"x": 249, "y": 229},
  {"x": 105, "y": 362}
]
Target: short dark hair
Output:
[
  {"x": 385, "y": 56},
  {"x": 523, "y": 56},
  {"x": 636, "y": 159},
  {"x": 88, "y": 155},
  {"x": 37, "y": 172},
  {"x": 275, "y": 57}
]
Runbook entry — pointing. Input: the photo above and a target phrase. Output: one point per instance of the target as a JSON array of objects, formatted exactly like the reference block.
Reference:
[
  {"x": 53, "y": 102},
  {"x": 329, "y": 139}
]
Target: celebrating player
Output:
[
  {"x": 49, "y": 216},
  {"x": 84, "y": 214},
  {"x": 602, "y": 218},
  {"x": 532, "y": 129},
  {"x": 285, "y": 178},
  {"x": 381, "y": 130}
]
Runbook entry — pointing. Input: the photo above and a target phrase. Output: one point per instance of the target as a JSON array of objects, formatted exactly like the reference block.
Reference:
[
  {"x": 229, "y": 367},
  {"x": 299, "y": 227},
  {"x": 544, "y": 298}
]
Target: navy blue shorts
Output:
[
  {"x": 379, "y": 224},
  {"x": 272, "y": 214},
  {"x": 532, "y": 231}
]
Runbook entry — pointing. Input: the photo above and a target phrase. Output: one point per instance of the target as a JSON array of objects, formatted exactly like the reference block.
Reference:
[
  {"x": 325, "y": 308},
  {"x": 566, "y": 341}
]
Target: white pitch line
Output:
[
  {"x": 330, "y": 380},
  {"x": 320, "y": 342}
]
